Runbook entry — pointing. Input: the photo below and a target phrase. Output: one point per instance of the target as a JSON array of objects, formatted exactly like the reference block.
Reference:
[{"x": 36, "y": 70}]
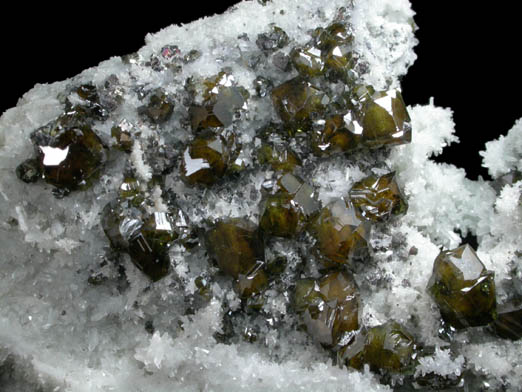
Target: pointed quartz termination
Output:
[
  {"x": 237, "y": 246},
  {"x": 378, "y": 198},
  {"x": 340, "y": 234},
  {"x": 463, "y": 289},
  {"x": 384, "y": 347},
  {"x": 329, "y": 307}
]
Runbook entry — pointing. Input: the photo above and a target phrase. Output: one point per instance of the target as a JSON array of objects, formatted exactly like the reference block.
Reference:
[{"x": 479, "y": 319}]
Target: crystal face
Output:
[
  {"x": 282, "y": 217},
  {"x": 329, "y": 307},
  {"x": 378, "y": 198},
  {"x": 387, "y": 347},
  {"x": 68, "y": 157},
  {"x": 462, "y": 288},
  {"x": 341, "y": 235}
]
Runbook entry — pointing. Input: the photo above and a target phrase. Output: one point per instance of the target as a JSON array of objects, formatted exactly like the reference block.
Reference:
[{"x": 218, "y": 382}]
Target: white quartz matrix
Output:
[{"x": 60, "y": 333}]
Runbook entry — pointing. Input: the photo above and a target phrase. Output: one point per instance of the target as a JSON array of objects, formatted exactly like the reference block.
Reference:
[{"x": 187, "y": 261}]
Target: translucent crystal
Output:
[
  {"x": 329, "y": 306},
  {"x": 159, "y": 108},
  {"x": 462, "y": 288},
  {"x": 387, "y": 347},
  {"x": 282, "y": 216},
  {"x": 340, "y": 234},
  {"x": 378, "y": 198}
]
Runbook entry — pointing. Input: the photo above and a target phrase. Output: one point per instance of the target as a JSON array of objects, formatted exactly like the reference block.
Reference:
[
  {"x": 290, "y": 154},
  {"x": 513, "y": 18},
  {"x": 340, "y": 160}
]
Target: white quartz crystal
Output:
[{"x": 59, "y": 333}]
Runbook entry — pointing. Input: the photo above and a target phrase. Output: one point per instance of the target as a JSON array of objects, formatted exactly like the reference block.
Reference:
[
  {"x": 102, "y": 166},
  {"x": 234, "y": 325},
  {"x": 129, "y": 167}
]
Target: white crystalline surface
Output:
[{"x": 60, "y": 333}]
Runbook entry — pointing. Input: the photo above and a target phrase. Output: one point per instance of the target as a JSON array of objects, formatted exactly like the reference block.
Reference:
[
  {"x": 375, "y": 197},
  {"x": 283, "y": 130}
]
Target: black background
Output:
[{"x": 468, "y": 57}]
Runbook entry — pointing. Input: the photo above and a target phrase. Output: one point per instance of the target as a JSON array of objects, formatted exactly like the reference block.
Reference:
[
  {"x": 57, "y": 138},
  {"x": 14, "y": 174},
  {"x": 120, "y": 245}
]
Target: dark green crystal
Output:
[{"x": 282, "y": 217}]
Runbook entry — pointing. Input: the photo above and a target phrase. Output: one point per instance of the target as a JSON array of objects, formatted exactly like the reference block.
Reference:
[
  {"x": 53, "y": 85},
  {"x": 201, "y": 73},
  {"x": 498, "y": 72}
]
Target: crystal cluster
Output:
[{"x": 254, "y": 208}]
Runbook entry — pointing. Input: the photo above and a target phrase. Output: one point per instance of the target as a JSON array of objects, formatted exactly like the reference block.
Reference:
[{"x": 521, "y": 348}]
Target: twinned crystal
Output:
[{"x": 463, "y": 288}]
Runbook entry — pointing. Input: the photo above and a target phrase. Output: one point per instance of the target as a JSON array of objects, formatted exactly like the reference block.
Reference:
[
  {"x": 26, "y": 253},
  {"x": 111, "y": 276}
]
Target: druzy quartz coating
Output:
[{"x": 463, "y": 288}]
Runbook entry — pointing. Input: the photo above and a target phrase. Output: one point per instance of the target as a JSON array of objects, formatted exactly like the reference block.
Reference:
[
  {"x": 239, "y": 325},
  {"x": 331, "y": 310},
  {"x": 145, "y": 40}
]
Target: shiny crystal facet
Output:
[
  {"x": 378, "y": 198},
  {"x": 462, "y": 288},
  {"x": 341, "y": 235},
  {"x": 329, "y": 306}
]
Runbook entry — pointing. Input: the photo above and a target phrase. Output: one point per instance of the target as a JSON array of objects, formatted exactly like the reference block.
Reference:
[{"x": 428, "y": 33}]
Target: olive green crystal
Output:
[
  {"x": 308, "y": 61},
  {"x": 297, "y": 102},
  {"x": 279, "y": 158},
  {"x": 205, "y": 160},
  {"x": 68, "y": 157},
  {"x": 462, "y": 288},
  {"x": 236, "y": 245},
  {"x": 303, "y": 194},
  {"x": 333, "y": 136},
  {"x": 385, "y": 120},
  {"x": 282, "y": 217},
  {"x": 377, "y": 198},
  {"x": 384, "y": 347},
  {"x": 329, "y": 306},
  {"x": 340, "y": 234}
]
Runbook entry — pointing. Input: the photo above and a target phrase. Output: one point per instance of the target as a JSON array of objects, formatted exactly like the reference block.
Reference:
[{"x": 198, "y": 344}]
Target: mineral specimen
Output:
[
  {"x": 462, "y": 288},
  {"x": 216, "y": 193}
]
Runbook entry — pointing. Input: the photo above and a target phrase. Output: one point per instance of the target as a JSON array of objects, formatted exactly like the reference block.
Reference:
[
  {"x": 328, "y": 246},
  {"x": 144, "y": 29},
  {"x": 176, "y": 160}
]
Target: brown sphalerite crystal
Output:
[
  {"x": 298, "y": 102},
  {"x": 340, "y": 234},
  {"x": 462, "y": 288},
  {"x": 384, "y": 119},
  {"x": 282, "y": 217},
  {"x": 377, "y": 198},
  {"x": 303, "y": 194},
  {"x": 236, "y": 245},
  {"x": 280, "y": 158},
  {"x": 146, "y": 237},
  {"x": 384, "y": 347},
  {"x": 329, "y": 307},
  {"x": 205, "y": 160},
  {"x": 333, "y": 135},
  {"x": 508, "y": 324},
  {"x": 68, "y": 157},
  {"x": 238, "y": 248}
]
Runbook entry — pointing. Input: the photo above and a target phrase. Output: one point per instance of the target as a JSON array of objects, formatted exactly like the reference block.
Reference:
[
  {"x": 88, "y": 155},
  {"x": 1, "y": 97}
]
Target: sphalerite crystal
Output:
[
  {"x": 237, "y": 246},
  {"x": 329, "y": 307},
  {"x": 341, "y": 236},
  {"x": 463, "y": 288},
  {"x": 69, "y": 157},
  {"x": 385, "y": 347},
  {"x": 206, "y": 159},
  {"x": 377, "y": 198},
  {"x": 508, "y": 324},
  {"x": 159, "y": 107}
]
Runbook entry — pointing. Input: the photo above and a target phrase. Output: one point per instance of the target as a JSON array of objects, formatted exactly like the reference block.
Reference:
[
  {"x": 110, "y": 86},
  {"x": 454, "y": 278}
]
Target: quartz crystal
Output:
[{"x": 246, "y": 203}]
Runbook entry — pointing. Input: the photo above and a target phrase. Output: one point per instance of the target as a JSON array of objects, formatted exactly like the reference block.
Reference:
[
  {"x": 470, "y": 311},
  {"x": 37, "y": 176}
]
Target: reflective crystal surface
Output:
[
  {"x": 68, "y": 157},
  {"x": 508, "y": 324},
  {"x": 159, "y": 107},
  {"x": 282, "y": 216},
  {"x": 462, "y": 288},
  {"x": 378, "y": 198},
  {"x": 384, "y": 347},
  {"x": 329, "y": 306},
  {"x": 340, "y": 234}
]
